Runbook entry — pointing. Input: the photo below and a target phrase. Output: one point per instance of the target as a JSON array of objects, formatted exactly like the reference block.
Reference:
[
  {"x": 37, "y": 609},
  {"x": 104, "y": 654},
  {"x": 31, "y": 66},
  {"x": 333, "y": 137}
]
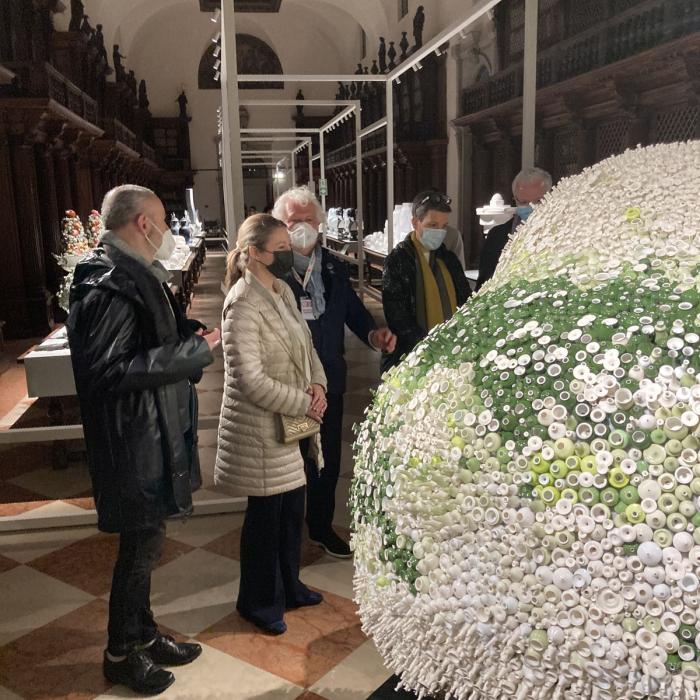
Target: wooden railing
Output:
[
  {"x": 619, "y": 34},
  {"x": 149, "y": 152},
  {"x": 114, "y": 129},
  {"x": 70, "y": 95}
]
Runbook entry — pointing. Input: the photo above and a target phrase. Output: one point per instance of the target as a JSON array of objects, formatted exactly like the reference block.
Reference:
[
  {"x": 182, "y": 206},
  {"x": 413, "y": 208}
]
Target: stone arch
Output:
[{"x": 253, "y": 55}]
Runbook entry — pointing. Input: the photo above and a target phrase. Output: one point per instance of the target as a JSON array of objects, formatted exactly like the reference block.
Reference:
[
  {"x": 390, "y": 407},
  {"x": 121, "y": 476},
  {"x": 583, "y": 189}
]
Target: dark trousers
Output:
[
  {"x": 270, "y": 554},
  {"x": 131, "y": 622},
  {"x": 320, "y": 499}
]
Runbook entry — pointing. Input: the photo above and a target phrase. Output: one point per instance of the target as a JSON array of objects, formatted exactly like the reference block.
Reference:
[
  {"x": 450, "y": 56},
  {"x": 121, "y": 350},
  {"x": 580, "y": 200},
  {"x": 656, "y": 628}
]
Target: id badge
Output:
[{"x": 307, "y": 309}]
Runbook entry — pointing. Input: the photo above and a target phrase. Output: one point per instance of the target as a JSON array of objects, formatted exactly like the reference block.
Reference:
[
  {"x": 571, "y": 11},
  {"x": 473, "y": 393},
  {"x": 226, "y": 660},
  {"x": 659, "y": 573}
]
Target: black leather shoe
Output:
[
  {"x": 307, "y": 599},
  {"x": 139, "y": 673},
  {"x": 334, "y": 545},
  {"x": 165, "y": 651}
]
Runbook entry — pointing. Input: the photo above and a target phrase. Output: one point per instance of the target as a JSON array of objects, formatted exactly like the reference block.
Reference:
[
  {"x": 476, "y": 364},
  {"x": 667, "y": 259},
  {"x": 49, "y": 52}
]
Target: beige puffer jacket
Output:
[{"x": 261, "y": 379}]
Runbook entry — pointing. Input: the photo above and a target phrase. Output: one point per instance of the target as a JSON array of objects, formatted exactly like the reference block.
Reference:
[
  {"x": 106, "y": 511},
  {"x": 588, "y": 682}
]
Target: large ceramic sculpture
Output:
[{"x": 527, "y": 491}]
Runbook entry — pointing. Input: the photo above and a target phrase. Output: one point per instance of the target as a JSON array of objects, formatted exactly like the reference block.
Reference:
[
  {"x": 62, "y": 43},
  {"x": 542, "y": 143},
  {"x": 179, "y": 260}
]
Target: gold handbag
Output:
[
  {"x": 296, "y": 428},
  {"x": 292, "y": 429}
]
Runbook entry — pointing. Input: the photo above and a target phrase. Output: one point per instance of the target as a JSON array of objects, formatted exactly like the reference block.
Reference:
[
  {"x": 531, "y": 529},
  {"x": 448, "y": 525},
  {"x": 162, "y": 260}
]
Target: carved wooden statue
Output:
[
  {"x": 381, "y": 55},
  {"x": 143, "y": 96},
  {"x": 182, "y": 101},
  {"x": 77, "y": 12},
  {"x": 392, "y": 56},
  {"x": 99, "y": 41},
  {"x": 403, "y": 45},
  {"x": 133, "y": 84},
  {"x": 117, "y": 60},
  {"x": 418, "y": 24}
]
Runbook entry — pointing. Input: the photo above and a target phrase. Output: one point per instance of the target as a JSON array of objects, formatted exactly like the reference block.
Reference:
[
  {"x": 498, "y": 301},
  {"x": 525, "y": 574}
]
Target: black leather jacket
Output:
[
  {"x": 135, "y": 358},
  {"x": 399, "y": 296}
]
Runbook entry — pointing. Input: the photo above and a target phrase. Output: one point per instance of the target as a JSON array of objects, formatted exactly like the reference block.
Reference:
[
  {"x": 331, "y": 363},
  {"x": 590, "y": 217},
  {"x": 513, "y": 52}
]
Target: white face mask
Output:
[
  {"x": 303, "y": 235},
  {"x": 167, "y": 246}
]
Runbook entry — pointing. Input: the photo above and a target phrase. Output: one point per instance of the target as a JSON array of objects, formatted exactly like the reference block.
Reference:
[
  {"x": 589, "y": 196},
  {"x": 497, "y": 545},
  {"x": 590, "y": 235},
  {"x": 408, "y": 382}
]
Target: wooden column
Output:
[
  {"x": 83, "y": 181},
  {"x": 64, "y": 191},
  {"x": 97, "y": 180},
  {"x": 31, "y": 244},
  {"x": 13, "y": 308},
  {"x": 49, "y": 214}
]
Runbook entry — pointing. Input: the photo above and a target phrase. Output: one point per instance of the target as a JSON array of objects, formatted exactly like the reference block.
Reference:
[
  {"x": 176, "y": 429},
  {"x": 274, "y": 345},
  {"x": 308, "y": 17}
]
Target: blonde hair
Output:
[{"x": 254, "y": 231}]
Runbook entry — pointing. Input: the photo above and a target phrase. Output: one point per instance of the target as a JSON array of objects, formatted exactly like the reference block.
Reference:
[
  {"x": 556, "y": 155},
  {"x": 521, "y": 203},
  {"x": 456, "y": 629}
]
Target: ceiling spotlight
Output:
[
  {"x": 217, "y": 64},
  {"x": 216, "y": 16},
  {"x": 463, "y": 33},
  {"x": 217, "y": 75},
  {"x": 438, "y": 52},
  {"x": 216, "y": 38},
  {"x": 398, "y": 80},
  {"x": 415, "y": 67},
  {"x": 217, "y": 51}
]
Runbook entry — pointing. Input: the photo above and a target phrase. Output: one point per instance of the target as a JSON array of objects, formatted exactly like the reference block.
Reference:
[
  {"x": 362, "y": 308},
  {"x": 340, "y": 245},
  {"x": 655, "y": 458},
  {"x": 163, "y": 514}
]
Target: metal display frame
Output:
[{"x": 353, "y": 108}]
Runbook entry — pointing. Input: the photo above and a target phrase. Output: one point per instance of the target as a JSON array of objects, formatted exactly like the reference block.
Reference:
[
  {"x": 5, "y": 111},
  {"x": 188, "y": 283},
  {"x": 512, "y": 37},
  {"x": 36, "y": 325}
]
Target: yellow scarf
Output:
[{"x": 435, "y": 309}]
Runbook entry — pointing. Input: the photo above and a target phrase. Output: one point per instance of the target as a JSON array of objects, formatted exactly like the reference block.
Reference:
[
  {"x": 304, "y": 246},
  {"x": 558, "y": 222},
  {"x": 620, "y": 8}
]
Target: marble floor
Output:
[{"x": 55, "y": 582}]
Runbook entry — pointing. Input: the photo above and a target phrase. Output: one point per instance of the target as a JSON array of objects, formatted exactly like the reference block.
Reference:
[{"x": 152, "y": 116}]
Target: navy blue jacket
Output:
[{"x": 343, "y": 307}]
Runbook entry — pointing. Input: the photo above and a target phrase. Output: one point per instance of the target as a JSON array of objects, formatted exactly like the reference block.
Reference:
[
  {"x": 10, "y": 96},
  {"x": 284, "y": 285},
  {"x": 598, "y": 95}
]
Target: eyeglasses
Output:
[{"x": 436, "y": 198}]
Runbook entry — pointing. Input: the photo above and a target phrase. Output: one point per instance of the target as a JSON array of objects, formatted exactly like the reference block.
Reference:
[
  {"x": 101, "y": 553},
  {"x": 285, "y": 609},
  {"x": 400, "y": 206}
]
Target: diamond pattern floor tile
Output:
[
  {"x": 316, "y": 640},
  {"x": 31, "y": 599},
  {"x": 66, "y": 657},
  {"x": 355, "y": 677},
  {"x": 88, "y": 564},
  {"x": 195, "y": 591},
  {"x": 26, "y": 546}
]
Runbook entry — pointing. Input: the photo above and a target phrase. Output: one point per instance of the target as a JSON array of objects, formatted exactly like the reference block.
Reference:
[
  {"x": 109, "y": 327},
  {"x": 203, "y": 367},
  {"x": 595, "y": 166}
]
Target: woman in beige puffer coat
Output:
[{"x": 271, "y": 369}]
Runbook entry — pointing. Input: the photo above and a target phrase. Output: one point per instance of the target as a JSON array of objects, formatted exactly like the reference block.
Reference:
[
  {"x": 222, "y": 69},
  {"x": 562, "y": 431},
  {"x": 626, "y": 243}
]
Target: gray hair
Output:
[
  {"x": 123, "y": 204},
  {"x": 532, "y": 174},
  {"x": 302, "y": 196}
]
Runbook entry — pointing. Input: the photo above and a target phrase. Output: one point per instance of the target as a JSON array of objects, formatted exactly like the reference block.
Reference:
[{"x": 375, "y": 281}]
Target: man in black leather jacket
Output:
[
  {"x": 405, "y": 307},
  {"x": 135, "y": 359}
]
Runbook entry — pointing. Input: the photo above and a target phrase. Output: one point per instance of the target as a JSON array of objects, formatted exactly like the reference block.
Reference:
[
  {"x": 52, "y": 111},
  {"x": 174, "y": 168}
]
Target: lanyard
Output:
[{"x": 309, "y": 271}]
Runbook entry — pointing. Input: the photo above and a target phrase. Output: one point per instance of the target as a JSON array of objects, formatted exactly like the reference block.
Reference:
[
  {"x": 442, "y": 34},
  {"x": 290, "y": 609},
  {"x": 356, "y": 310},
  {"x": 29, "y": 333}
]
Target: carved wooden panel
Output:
[
  {"x": 611, "y": 138},
  {"x": 678, "y": 124},
  {"x": 566, "y": 153}
]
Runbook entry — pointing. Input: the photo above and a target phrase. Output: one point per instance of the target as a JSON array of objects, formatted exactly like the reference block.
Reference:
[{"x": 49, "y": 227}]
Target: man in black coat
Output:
[
  {"x": 529, "y": 186},
  {"x": 326, "y": 299},
  {"x": 135, "y": 359},
  {"x": 406, "y": 307}
]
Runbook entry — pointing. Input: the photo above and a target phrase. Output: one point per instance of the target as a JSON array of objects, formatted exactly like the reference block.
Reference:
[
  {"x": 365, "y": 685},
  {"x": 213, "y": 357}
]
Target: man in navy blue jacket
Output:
[{"x": 326, "y": 299}]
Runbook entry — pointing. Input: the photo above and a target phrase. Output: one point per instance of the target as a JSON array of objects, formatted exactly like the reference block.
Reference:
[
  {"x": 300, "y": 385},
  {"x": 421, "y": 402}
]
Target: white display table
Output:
[{"x": 48, "y": 367}]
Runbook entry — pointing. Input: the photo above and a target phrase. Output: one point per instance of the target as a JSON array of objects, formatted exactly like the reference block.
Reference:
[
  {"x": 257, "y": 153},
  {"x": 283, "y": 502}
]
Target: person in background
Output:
[
  {"x": 271, "y": 370},
  {"x": 326, "y": 299},
  {"x": 453, "y": 237},
  {"x": 135, "y": 359},
  {"x": 423, "y": 282},
  {"x": 529, "y": 186}
]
